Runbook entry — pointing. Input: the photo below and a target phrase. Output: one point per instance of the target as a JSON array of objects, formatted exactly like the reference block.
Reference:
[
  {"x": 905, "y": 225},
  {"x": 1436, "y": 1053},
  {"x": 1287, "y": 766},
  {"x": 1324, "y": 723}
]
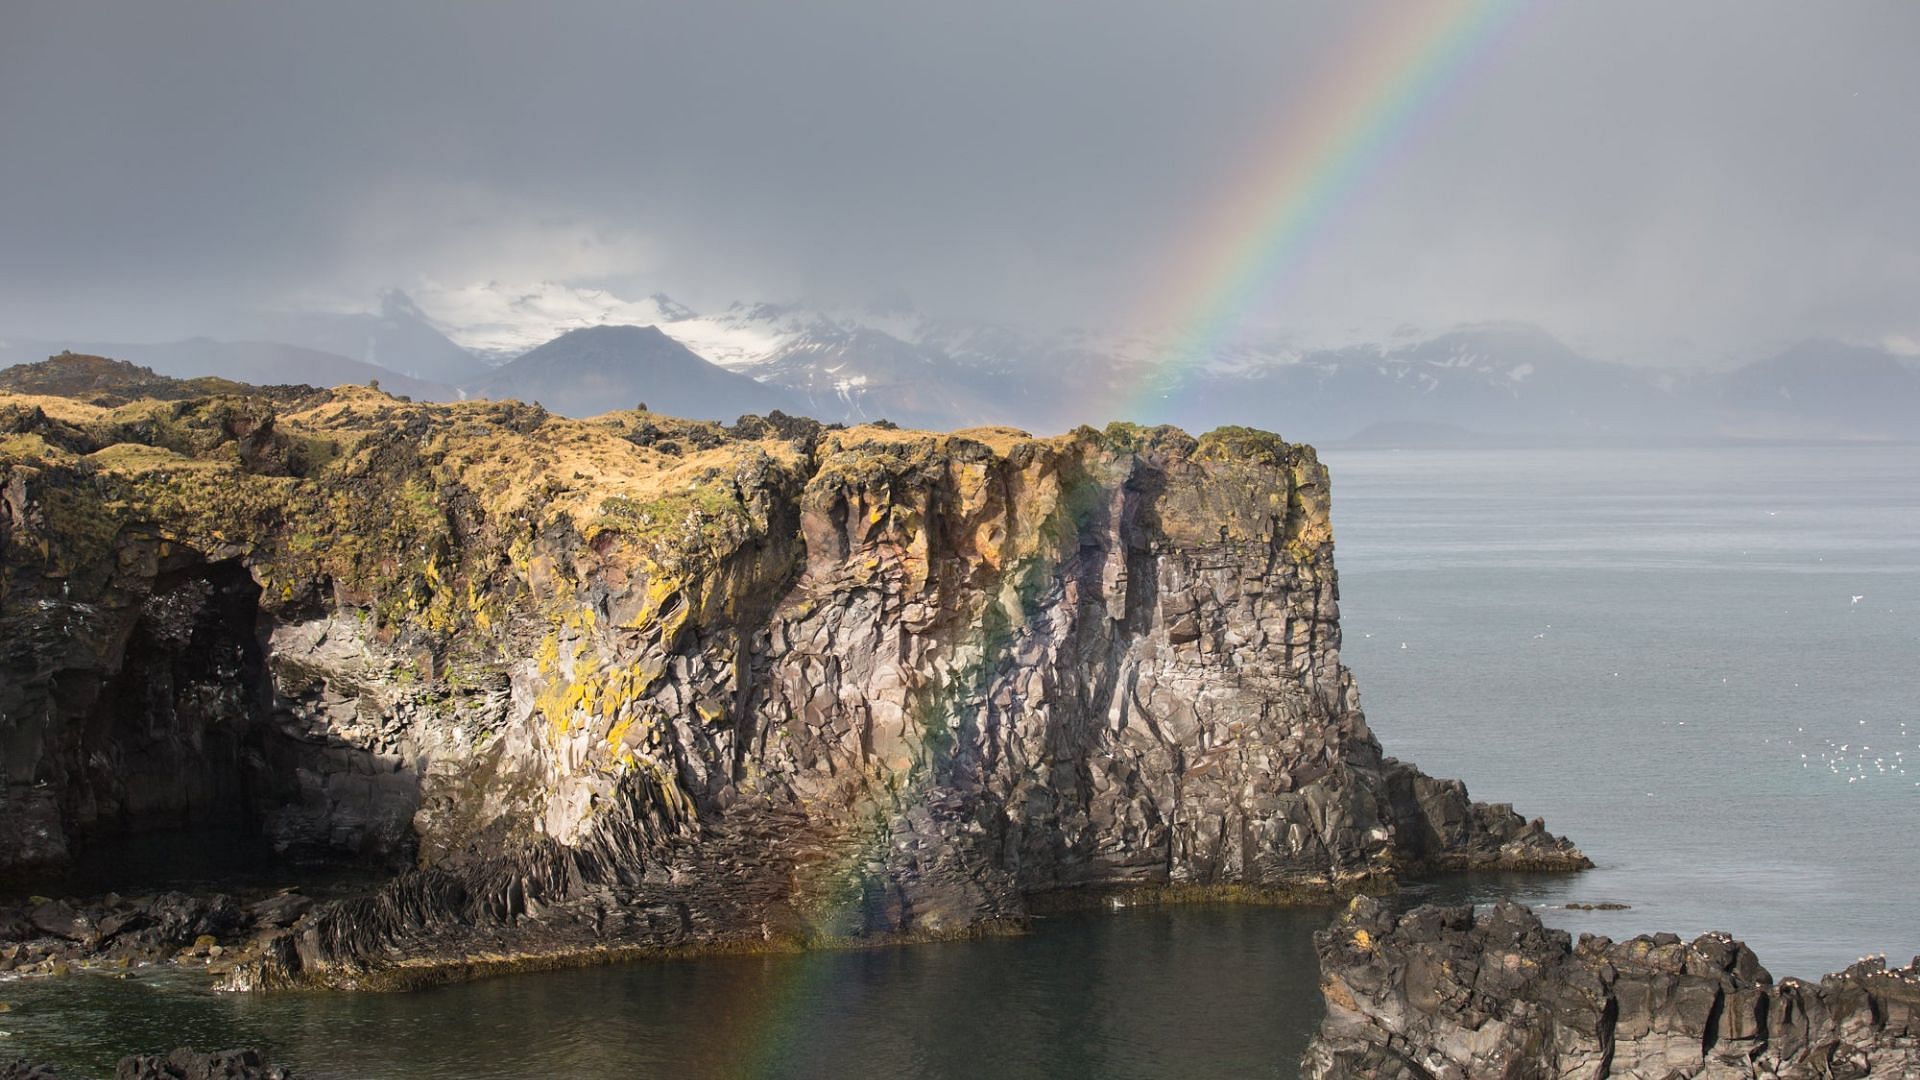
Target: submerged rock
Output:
[
  {"x": 1450, "y": 993},
  {"x": 633, "y": 684},
  {"x": 186, "y": 1064}
]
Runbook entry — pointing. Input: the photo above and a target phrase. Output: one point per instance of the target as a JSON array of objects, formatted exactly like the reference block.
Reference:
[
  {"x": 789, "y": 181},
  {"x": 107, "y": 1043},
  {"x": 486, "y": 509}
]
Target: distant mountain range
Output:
[{"x": 583, "y": 351}]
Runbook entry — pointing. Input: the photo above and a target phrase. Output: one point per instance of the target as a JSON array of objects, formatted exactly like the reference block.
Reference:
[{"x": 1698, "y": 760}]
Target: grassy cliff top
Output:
[{"x": 426, "y": 513}]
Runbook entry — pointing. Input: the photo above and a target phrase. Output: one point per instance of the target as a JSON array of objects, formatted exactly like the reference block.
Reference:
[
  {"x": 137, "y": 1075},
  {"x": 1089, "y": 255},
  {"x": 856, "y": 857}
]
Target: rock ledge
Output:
[{"x": 1449, "y": 993}]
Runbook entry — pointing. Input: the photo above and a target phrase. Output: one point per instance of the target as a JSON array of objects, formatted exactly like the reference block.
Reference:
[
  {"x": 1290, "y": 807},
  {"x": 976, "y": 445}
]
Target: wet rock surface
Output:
[
  {"x": 1450, "y": 993},
  {"x": 48, "y": 936},
  {"x": 182, "y": 1064},
  {"x": 635, "y": 684},
  {"x": 187, "y": 1064}
]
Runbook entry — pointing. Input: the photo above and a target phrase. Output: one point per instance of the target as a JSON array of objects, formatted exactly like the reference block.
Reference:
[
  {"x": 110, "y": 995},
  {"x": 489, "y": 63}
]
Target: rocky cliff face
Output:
[
  {"x": 632, "y": 683},
  {"x": 1447, "y": 993}
]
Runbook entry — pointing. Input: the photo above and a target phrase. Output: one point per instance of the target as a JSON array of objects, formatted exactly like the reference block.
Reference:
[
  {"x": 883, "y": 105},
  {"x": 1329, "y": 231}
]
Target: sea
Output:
[{"x": 1701, "y": 664}]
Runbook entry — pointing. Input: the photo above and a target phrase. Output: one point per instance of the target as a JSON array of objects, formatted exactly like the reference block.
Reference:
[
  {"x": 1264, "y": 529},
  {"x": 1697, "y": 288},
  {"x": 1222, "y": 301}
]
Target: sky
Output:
[{"x": 1679, "y": 181}]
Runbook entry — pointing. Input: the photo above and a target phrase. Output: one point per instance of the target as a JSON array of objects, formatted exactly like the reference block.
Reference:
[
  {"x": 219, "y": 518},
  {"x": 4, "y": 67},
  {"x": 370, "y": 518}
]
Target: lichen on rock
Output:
[{"x": 635, "y": 684}]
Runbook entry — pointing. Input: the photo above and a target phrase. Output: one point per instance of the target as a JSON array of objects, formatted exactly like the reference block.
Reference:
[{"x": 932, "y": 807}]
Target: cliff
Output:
[
  {"x": 1449, "y": 993},
  {"x": 632, "y": 683}
]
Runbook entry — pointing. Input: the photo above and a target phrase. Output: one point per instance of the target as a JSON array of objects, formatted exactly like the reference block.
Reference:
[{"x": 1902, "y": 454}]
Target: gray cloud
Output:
[{"x": 1631, "y": 174}]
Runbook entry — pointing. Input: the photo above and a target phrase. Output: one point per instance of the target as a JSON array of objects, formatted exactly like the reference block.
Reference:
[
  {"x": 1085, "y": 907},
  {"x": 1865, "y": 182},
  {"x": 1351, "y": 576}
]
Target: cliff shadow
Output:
[{"x": 162, "y": 754}]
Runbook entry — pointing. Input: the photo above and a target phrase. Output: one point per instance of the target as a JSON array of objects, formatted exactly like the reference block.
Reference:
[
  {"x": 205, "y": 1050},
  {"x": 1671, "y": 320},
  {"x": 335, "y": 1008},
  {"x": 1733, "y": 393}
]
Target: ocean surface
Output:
[{"x": 1703, "y": 665}]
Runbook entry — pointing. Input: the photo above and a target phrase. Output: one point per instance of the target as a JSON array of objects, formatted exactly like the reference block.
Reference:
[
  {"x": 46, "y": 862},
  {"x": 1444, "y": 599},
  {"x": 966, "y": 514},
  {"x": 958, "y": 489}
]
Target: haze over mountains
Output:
[{"x": 582, "y": 351}]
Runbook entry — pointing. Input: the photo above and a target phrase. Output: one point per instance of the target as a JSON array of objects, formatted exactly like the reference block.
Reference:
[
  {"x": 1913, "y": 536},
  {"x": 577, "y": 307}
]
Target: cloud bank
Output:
[{"x": 1669, "y": 182}]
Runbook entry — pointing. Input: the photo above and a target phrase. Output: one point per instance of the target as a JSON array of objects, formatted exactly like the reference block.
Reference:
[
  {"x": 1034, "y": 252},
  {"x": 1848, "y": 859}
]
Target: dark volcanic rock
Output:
[
  {"x": 1448, "y": 993},
  {"x": 121, "y": 932},
  {"x": 186, "y": 1064},
  {"x": 182, "y": 1064}
]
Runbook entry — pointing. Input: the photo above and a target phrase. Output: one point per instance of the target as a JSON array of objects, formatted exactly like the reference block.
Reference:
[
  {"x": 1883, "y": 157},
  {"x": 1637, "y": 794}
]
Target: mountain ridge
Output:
[
  {"x": 597, "y": 369},
  {"x": 1504, "y": 381}
]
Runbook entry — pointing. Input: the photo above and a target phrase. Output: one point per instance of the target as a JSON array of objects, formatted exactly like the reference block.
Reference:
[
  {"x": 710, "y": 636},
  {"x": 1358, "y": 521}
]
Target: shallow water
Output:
[
  {"x": 1638, "y": 646},
  {"x": 1136, "y": 993}
]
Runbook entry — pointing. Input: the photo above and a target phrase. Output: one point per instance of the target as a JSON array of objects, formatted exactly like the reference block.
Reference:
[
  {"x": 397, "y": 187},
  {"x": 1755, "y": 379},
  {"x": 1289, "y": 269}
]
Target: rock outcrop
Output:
[
  {"x": 1449, "y": 993},
  {"x": 42, "y": 935},
  {"x": 634, "y": 684},
  {"x": 187, "y": 1064},
  {"x": 182, "y": 1064}
]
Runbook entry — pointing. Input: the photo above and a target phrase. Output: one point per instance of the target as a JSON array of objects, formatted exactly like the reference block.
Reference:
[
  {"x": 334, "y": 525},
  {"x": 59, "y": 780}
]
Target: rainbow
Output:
[
  {"x": 1365, "y": 106},
  {"x": 804, "y": 998},
  {"x": 1260, "y": 231}
]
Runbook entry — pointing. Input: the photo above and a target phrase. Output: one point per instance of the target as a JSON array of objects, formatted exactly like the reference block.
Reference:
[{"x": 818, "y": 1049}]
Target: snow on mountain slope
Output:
[
  {"x": 501, "y": 321},
  {"x": 842, "y": 368},
  {"x": 896, "y": 364},
  {"x": 594, "y": 369}
]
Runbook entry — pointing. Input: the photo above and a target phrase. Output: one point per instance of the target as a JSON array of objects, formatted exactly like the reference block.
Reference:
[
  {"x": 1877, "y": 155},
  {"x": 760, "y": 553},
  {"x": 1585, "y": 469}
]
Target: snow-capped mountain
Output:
[
  {"x": 585, "y": 350},
  {"x": 498, "y": 322},
  {"x": 597, "y": 369},
  {"x": 836, "y": 366},
  {"x": 898, "y": 365},
  {"x": 1500, "y": 380}
]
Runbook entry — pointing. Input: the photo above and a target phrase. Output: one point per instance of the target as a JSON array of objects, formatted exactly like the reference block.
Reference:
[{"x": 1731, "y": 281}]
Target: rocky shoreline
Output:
[
  {"x": 181, "y": 1064},
  {"x": 46, "y": 936},
  {"x": 1451, "y": 993}
]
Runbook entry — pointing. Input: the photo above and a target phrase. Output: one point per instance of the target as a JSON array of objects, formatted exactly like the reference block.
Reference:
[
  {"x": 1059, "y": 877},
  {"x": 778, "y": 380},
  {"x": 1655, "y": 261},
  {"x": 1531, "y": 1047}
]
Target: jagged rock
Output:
[
  {"x": 184, "y": 1064},
  {"x": 117, "y": 931},
  {"x": 1449, "y": 993},
  {"x": 775, "y": 685}
]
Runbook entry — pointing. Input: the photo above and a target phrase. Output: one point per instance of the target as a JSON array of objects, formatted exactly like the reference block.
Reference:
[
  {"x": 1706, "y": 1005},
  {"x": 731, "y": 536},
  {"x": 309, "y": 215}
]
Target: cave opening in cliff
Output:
[{"x": 176, "y": 773}]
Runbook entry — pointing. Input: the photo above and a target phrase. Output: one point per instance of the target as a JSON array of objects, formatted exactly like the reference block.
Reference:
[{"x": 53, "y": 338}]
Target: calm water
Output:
[
  {"x": 1639, "y": 646},
  {"x": 1662, "y": 653},
  {"x": 1137, "y": 993}
]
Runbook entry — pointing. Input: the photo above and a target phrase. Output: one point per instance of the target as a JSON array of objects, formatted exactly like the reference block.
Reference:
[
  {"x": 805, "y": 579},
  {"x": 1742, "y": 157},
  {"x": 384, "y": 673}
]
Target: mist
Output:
[{"x": 1664, "y": 184}]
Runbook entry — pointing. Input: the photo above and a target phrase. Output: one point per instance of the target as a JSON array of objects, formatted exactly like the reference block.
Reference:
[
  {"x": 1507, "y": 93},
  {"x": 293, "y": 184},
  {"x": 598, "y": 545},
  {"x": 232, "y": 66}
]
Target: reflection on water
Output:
[
  {"x": 213, "y": 859},
  {"x": 1151, "y": 992}
]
